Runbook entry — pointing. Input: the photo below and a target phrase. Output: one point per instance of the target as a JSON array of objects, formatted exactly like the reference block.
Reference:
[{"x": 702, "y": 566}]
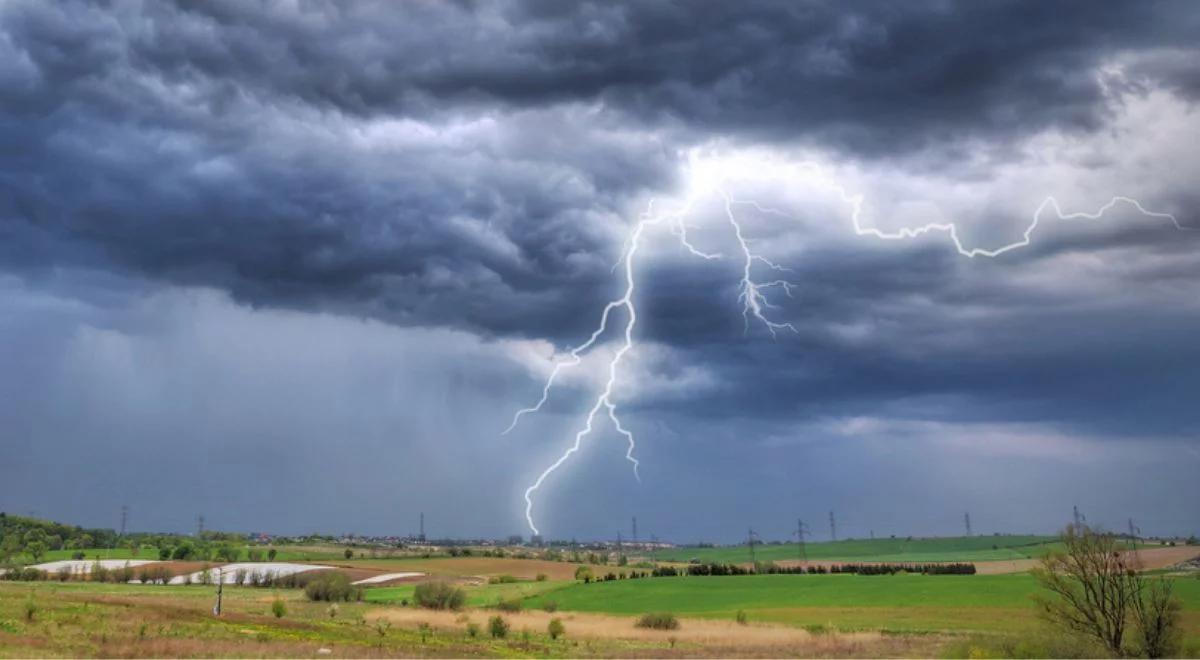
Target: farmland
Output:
[
  {"x": 948, "y": 549},
  {"x": 902, "y": 614}
]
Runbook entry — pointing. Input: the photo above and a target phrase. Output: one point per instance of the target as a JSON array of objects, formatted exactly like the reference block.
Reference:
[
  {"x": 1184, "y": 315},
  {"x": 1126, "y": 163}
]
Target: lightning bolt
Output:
[{"x": 752, "y": 294}]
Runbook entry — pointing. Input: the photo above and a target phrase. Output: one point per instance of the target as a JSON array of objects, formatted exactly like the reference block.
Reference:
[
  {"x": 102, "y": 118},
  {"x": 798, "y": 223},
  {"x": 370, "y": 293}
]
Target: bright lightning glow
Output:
[{"x": 708, "y": 179}]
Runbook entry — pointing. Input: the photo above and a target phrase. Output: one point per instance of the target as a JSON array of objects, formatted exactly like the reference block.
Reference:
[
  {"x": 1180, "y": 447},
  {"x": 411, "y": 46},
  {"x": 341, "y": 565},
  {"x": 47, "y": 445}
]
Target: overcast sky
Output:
[{"x": 295, "y": 265}]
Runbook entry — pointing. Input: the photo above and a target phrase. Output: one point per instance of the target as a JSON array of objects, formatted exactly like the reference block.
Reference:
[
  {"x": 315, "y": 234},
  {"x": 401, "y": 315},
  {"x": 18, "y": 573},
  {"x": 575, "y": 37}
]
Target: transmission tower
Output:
[
  {"x": 421, "y": 534},
  {"x": 1079, "y": 518},
  {"x": 750, "y": 542},
  {"x": 800, "y": 532},
  {"x": 124, "y": 518},
  {"x": 967, "y": 522},
  {"x": 832, "y": 527},
  {"x": 635, "y": 530},
  {"x": 200, "y": 526}
]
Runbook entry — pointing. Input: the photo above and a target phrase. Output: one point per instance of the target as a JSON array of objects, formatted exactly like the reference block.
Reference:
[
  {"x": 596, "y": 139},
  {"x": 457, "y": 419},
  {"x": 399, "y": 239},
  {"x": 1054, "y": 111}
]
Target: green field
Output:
[
  {"x": 916, "y": 603},
  {"x": 945, "y": 549},
  {"x": 481, "y": 596}
]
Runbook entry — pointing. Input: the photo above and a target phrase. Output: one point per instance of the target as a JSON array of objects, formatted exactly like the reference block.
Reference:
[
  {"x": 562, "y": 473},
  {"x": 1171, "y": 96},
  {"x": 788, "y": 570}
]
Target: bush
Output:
[
  {"x": 742, "y": 618},
  {"x": 556, "y": 628},
  {"x": 659, "y": 621},
  {"x": 541, "y": 577},
  {"x": 348, "y": 553},
  {"x": 472, "y": 630},
  {"x": 271, "y": 554},
  {"x": 509, "y": 605},
  {"x": 439, "y": 596},
  {"x": 498, "y": 627},
  {"x": 550, "y": 606},
  {"x": 330, "y": 586},
  {"x": 78, "y": 554},
  {"x": 502, "y": 579},
  {"x": 278, "y": 608}
]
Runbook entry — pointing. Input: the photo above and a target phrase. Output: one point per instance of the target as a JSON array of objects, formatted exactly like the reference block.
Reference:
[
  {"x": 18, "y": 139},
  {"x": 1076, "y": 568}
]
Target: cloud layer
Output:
[{"x": 327, "y": 207}]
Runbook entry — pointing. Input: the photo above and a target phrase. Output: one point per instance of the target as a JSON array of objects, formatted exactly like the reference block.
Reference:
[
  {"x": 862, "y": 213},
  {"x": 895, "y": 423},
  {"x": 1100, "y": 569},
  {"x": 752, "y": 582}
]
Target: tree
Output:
[
  {"x": 348, "y": 553},
  {"x": 35, "y": 544},
  {"x": 1156, "y": 613},
  {"x": 1098, "y": 591},
  {"x": 271, "y": 554},
  {"x": 583, "y": 573}
]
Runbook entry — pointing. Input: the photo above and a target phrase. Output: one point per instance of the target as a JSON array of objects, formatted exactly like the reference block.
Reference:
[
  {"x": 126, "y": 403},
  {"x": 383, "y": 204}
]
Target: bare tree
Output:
[
  {"x": 1156, "y": 612},
  {"x": 1099, "y": 592}
]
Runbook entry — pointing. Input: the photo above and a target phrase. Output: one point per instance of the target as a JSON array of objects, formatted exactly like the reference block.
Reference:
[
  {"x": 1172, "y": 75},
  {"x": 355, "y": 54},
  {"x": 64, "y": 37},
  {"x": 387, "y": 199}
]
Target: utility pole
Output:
[
  {"x": 750, "y": 542},
  {"x": 124, "y": 518},
  {"x": 1133, "y": 533},
  {"x": 220, "y": 584},
  {"x": 635, "y": 530},
  {"x": 967, "y": 522},
  {"x": 832, "y": 527}
]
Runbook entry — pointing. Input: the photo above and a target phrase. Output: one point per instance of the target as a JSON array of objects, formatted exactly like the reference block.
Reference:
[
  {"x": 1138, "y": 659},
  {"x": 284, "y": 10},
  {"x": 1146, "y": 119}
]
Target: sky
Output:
[{"x": 295, "y": 265}]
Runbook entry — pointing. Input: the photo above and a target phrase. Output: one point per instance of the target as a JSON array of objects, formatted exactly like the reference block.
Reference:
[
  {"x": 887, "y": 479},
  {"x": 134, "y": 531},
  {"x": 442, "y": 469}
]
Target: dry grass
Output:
[{"x": 711, "y": 638}]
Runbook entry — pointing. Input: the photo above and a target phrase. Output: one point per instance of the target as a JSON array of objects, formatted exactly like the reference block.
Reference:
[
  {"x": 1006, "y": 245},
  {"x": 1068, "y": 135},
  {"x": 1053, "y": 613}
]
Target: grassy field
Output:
[
  {"x": 481, "y": 596},
  {"x": 909, "y": 603},
  {"x": 945, "y": 549},
  {"x": 101, "y": 620}
]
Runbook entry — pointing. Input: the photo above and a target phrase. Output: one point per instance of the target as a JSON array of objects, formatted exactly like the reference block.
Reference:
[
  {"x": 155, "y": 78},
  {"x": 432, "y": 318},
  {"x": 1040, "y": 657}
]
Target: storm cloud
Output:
[{"x": 215, "y": 213}]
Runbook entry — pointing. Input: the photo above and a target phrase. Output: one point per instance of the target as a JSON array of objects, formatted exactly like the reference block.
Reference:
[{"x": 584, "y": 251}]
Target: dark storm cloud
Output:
[
  {"x": 214, "y": 143},
  {"x": 444, "y": 167}
]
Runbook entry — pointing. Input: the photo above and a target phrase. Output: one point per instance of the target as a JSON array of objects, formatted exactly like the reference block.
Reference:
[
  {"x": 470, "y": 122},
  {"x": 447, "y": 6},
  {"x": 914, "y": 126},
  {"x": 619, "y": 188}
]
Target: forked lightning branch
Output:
[{"x": 760, "y": 276}]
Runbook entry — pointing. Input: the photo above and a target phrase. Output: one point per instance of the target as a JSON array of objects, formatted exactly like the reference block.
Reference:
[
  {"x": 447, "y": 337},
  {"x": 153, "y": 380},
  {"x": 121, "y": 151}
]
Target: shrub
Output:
[
  {"x": 254, "y": 555},
  {"x": 99, "y": 572},
  {"x": 556, "y": 628},
  {"x": 550, "y": 606},
  {"x": 425, "y": 630},
  {"x": 278, "y": 608},
  {"x": 541, "y": 577},
  {"x": 498, "y": 627},
  {"x": 742, "y": 618},
  {"x": 271, "y": 554},
  {"x": 239, "y": 577},
  {"x": 509, "y": 605},
  {"x": 64, "y": 574},
  {"x": 78, "y": 554},
  {"x": 472, "y": 630},
  {"x": 502, "y": 579},
  {"x": 331, "y": 587},
  {"x": 659, "y": 621},
  {"x": 439, "y": 596},
  {"x": 348, "y": 553},
  {"x": 31, "y": 608},
  {"x": 333, "y": 610}
]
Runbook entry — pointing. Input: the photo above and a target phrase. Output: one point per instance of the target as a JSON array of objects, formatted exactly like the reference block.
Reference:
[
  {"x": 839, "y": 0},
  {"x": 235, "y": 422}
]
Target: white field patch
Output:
[
  {"x": 388, "y": 577},
  {"x": 229, "y": 572},
  {"x": 85, "y": 565}
]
